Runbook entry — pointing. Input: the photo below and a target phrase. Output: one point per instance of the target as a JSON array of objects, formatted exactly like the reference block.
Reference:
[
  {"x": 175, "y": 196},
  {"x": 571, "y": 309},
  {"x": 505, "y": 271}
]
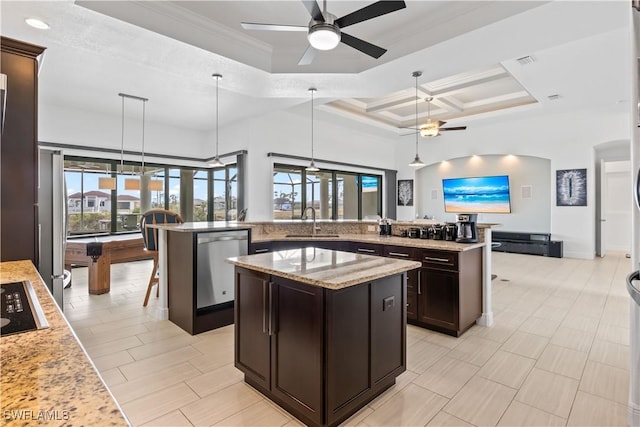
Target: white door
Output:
[{"x": 617, "y": 206}]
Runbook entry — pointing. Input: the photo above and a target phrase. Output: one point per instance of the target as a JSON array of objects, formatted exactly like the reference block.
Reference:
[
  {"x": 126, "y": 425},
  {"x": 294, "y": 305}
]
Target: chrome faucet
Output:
[{"x": 313, "y": 217}]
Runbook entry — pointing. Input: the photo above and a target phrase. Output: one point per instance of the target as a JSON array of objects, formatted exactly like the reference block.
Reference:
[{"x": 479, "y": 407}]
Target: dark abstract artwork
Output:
[
  {"x": 405, "y": 192},
  {"x": 571, "y": 187}
]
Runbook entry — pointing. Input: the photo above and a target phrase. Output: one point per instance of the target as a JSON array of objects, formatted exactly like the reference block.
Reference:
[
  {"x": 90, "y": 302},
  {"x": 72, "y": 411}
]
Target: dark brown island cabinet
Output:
[
  {"x": 321, "y": 354},
  {"x": 444, "y": 295}
]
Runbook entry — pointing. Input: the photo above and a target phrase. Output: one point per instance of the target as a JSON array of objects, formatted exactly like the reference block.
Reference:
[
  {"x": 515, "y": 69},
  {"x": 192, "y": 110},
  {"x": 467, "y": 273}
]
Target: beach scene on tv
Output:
[{"x": 487, "y": 194}]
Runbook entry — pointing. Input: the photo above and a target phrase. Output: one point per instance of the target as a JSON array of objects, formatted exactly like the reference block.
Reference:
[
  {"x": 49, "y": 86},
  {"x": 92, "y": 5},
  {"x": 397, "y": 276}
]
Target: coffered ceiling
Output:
[{"x": 468, "y": 52}]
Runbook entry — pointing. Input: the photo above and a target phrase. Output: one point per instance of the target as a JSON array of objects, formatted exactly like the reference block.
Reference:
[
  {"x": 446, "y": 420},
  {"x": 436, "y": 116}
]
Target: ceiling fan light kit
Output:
[
  {"x": 324, "y": 36},
  {"x": 324, "y": 30}
]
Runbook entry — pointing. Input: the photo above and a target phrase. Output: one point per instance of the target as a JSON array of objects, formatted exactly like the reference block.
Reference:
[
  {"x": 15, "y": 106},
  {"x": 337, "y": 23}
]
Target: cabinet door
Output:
[
  {"x": 412, "y": 294},
  {"x": 252, "y": 324},
  {"x": 438, "y": 301},
  {"x": 297, "y": 346},
  {"x": 407, "y": 253}
]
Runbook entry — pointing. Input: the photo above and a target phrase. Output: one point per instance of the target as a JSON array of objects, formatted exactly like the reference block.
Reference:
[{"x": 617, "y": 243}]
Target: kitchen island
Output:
[
  {"x": 47, "y": 377},
  {"x": 320, "y": 332},
  {"x": 196, "y": 285}
]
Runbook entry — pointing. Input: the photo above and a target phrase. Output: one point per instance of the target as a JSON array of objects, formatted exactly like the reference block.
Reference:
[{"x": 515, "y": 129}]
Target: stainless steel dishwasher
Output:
[{"x": 215, "y": 276}]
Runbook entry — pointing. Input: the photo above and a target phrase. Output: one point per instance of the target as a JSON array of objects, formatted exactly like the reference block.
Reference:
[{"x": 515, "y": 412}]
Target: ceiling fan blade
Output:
[
  {"x": 453, "y": 128},
  {"x": 368, "y": 12},
  {"x": 314, "y": 10},
  {"x": 308, "y": 56},
  {"x": 273, "y": 27},
  {"x": 362, "y": 46}
]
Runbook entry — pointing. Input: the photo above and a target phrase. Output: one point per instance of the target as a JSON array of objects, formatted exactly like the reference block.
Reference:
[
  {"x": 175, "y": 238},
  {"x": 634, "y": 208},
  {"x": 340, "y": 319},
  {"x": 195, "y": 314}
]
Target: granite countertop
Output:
[
  {"x": 191, "y": 227},
  {"x": 324, "y": 268},
  {"x": 444, "y": 245},
  {"x": 47, "y": 377}
]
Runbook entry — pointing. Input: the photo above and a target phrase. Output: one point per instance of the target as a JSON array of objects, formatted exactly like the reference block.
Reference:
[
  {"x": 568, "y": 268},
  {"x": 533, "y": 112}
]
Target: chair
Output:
[{"x": 150, "y": 239}]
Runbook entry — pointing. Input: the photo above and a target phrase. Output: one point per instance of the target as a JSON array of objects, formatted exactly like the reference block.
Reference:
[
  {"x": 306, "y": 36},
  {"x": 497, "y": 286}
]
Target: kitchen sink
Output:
[{"x": 312, "y": 235}]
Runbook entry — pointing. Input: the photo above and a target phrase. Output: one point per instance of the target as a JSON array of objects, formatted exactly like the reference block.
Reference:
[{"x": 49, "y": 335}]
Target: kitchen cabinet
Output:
[
  {"x": 320, "y": 353},
  {"x": 19, "y": 152},
  {"x": 403, "y": 252},
  {"x": 449, "y": 296}
]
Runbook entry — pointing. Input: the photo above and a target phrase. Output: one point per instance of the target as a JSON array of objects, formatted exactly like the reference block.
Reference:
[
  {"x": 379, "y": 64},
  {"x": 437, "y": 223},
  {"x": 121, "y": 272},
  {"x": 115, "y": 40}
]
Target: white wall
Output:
[
  {"x": 290, "y": 133},
  {"x": 566, "y": 138},
  {"x": 64, "y": 125},
  {"x": 527, "y": 214}
]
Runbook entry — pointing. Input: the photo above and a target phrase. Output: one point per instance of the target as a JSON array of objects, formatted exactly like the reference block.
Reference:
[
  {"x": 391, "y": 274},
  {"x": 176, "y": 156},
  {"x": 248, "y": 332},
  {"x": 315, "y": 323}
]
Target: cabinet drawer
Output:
[
  {"x": 260, "y": 247},
  {"x": 399, "y": 252},
  {"x": 444, "y": 260},
  {"x": 367, "y": 248}
]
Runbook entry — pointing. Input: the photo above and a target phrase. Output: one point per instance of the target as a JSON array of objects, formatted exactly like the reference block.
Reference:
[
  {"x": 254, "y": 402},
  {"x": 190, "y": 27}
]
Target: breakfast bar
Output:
[{"x": 320, "y": 332}]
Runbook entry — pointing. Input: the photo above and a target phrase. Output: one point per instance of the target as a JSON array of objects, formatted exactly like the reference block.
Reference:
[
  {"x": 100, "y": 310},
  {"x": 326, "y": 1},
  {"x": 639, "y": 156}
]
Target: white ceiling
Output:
[{"x": 167, "y": 51}]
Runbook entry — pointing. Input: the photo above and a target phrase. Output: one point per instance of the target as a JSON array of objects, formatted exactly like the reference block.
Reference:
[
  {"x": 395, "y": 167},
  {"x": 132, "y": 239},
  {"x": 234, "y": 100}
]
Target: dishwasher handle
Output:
[{"x": 223, "y": 238}]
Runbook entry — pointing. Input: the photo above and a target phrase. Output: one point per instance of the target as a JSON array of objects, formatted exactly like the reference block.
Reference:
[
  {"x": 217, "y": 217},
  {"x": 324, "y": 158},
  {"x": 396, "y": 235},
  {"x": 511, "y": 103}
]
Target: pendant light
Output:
[
  {"x": 132, "y": 183},
  {"x": 216, "y": 163},
  {"x": 107, "y": 183},
  {"x": 312, "y": 166},
  {"x": 416, "y": 163}
]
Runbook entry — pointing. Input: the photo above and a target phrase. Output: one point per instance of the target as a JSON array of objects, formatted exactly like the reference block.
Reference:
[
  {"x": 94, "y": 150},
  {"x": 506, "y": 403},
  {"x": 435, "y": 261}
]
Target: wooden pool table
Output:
[{"x": 115, "y": 249}]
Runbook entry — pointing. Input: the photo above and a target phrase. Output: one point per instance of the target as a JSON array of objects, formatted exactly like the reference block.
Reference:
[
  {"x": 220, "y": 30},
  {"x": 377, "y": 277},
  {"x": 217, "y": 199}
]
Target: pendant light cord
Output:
[
  {"x": 217, "y": 101},
  {"x": 144, "y": 105},
  {"x": 122, "y": 138},
  {"x": 416, "y": 76},
  {"x": 312, "y": 91}
]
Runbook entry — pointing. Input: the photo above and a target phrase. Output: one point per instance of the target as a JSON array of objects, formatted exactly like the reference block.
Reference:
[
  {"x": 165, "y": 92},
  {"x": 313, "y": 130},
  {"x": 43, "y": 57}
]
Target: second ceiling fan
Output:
[{"x": 324, "y": 31}]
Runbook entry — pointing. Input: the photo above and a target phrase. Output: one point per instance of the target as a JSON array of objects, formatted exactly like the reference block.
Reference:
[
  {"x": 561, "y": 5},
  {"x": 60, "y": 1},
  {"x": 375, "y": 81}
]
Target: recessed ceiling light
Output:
[{"x": 37, "y": 23}]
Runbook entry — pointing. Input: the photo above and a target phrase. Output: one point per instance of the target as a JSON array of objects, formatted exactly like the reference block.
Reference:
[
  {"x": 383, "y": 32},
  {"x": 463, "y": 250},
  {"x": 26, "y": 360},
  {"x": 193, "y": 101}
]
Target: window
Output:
[
  {"x": 287, "y": 192},
  {"x": 92, "y": 210},
  {"x": 333, "y": 194},
  {"x": 89, "y": 207}
]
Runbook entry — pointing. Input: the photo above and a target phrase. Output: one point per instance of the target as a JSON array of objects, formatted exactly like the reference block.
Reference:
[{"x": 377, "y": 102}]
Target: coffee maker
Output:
[{"x": 467, "y": 228}]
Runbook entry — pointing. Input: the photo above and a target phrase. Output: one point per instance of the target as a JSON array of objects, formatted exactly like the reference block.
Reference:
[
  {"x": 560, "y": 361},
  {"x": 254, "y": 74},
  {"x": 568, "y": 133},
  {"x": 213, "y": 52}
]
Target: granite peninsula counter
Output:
[
  {"x": 47, "y": 378},
  {"x": 320, "y": 332}
]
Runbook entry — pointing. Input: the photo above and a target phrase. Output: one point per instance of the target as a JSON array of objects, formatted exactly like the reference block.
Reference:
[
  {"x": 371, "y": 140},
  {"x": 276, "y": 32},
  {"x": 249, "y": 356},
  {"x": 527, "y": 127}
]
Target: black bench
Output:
[{"x": 526, "y": 243}]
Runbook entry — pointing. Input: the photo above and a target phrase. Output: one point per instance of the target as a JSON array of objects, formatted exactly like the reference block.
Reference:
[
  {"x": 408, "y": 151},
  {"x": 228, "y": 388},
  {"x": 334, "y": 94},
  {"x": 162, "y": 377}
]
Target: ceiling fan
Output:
[
  {"x": 433, "y": 128},
  {"x": 324, "y": 29}
]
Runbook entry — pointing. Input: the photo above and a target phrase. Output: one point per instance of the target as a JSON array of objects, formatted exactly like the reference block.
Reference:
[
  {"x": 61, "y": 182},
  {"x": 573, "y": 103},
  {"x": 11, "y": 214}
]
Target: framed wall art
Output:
[
  {"x": 405, "y": 192},
  {"x": 571, "y": 187}
]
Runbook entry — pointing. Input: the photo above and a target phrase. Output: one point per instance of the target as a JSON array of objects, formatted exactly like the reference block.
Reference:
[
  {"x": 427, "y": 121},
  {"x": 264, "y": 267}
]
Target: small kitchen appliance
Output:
[
  {"x": 20, "y": 310},
  {"x": 467, "y": 228},
  {"x": 413, "y": 233},
  {"x": 385, "y": 227},
  {"x": 450, "y": 231}
]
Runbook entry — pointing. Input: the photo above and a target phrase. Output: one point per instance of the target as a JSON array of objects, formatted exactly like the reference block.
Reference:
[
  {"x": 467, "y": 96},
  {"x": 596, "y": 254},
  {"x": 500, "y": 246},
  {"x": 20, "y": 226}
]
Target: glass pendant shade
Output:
[
  {"x": 216, "y": 163},
  {"x": 107, "y": 183},
  {"x": 416, "y": 163},
  {"x": 155, "y": 185},
  {"x": 312, "y": 167},
  {"x": 132, "y": 184}
]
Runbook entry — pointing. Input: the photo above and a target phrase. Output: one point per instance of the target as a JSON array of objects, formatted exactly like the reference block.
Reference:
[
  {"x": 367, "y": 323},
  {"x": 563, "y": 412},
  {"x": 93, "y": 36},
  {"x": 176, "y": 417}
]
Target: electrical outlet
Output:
[{"x": 371, "y": 228}]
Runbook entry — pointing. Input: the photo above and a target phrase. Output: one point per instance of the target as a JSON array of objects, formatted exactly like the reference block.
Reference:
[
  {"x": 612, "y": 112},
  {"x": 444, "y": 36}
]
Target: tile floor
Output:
[{"x": 557, "y": 355}]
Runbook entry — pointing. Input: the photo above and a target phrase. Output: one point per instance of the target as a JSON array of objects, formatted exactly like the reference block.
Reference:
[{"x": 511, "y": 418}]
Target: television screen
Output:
[{"x": 487, "y": 194}]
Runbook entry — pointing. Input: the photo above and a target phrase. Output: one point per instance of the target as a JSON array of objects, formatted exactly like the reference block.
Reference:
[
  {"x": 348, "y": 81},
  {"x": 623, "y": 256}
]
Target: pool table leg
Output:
[{"x": 100, "y": 274}]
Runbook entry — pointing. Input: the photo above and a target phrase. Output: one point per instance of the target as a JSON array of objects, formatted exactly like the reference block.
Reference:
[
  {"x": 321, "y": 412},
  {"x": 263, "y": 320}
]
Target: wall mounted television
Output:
[{"x": 486, "y": 194}]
